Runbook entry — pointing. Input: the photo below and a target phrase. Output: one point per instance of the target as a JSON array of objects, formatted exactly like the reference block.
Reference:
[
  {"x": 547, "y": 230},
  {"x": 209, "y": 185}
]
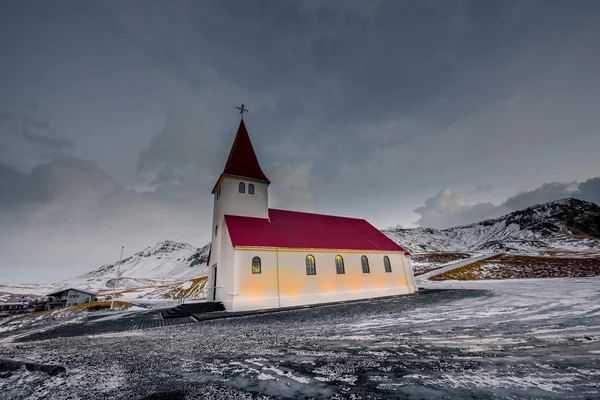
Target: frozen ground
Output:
[{"x": 483, "y": 339}]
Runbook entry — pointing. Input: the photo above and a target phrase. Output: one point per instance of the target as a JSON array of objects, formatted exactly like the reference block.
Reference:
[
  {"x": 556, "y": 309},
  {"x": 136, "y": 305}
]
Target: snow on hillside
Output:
[
  {"x": 424, "y": 240},
  {"x": 163, "y": 263},
  {"x": 165, "y": 266},
  {"x": 29, "y": 290},
  {"x": 562, "y": 225}
]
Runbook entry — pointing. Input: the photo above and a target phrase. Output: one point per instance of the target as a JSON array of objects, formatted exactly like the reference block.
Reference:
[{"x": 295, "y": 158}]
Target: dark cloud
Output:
[
  {"x": 54, "y": 192},
  {"x": 50, "y": 144},
  {"x": 449, "y": 209},
  {"x": 356, "y": 108},
  {"x": 589, "y": 190},
  {"x": 73, "y": 214},
  {"x": 292, "y": 187},
  {"x": 10, "y": 194},
  {"x": 546, "y": 192},
  {"x": 24, "y": 131},
  {"x": 190, "y": 143}
]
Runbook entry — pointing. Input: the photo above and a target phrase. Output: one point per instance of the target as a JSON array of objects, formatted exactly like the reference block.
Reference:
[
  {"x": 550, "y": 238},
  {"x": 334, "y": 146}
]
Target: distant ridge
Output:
[
  {"x": 561, "y": 225},
  {"x": 163, "y": 263}
]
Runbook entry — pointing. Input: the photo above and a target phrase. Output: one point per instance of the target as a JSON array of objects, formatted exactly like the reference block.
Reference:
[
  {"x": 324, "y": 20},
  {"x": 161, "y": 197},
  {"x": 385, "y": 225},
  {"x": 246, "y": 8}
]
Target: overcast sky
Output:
[{"x": 116, "y": 117}]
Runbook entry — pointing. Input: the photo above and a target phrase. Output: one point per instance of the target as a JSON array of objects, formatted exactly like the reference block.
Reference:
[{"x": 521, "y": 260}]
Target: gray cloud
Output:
[
  {"x": 191, "y": 143},
  {"x": 291, "y": 187},
  {"x": 24, "y": 132},
  {"x": 73, "y": 214},
  {"x": 49, "y": 144},
  {"x": 546, "y": 192},
  {"x": 589, "y": 190},
  {"x": 448, "y": 209},
  {"x": 356, "y": 108}
]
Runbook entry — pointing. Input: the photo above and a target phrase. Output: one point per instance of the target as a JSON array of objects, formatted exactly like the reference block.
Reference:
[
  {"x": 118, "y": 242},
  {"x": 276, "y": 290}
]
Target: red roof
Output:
[
  {"x": 290, "y": 229},
  {"x": 242, "y": 159}
]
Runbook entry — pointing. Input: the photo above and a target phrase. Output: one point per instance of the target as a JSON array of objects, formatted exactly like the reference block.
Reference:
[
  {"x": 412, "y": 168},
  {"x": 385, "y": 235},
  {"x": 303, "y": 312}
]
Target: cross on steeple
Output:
[{"x": 242, "y": 109}]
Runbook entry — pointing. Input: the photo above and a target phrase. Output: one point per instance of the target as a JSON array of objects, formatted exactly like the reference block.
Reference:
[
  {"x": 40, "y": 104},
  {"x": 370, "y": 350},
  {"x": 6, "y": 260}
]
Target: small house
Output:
[{"x": 69, "y": 297}]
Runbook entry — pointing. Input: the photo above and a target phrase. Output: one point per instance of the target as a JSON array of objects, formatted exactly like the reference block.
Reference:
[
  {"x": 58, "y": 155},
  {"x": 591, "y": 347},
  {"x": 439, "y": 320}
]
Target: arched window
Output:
[
  {"x": 365, "y": 264},
  {"x": 386, "y": 263},
  {"x": 339, "y": 265},
  {"x": 242, "y": 187},
  {"x": 311, "y": 266},
  {"x": 256, "y": 265},
  {"x": 250, "y": 188},
  {"x": 216, "y": 229}
]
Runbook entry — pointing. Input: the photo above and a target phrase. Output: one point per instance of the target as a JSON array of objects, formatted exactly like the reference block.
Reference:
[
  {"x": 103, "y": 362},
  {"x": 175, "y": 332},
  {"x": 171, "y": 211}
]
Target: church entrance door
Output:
[{"x": 214, "y": 292}]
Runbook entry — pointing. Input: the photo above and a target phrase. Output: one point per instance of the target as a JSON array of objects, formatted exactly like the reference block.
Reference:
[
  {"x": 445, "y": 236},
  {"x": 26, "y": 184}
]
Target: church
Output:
[{"x": 268, "y": 258}]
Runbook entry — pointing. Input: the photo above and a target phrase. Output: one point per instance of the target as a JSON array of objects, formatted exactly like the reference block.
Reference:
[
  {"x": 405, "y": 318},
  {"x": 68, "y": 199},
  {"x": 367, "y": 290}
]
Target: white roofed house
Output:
[{"x": 69, "y": 297}]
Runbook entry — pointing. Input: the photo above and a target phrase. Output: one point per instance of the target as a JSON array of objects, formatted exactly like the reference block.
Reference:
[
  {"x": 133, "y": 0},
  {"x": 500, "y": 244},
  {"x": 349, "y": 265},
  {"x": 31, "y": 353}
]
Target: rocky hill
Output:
[
  {"x": 163, "y": 263},
  {"x": 562, "y": 225},
  {"x": 161, "y": 269}
]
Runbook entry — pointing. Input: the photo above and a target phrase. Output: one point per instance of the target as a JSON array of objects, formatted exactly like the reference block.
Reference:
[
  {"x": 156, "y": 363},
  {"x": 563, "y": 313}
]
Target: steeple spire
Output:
[{"x": 242, "y": 161}]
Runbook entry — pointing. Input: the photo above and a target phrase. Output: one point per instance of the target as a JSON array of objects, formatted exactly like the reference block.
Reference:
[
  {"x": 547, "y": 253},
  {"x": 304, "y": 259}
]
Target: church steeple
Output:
[
  {"x": 242, "y": 161},
  {"x": 242, "y": 190}
]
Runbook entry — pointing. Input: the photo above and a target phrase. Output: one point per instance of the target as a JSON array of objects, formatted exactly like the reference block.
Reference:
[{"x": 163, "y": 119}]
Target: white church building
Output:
[{"x": 266, "y": 258}]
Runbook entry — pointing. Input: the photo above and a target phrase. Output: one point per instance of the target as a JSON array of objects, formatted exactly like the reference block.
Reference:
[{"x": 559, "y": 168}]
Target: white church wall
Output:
[
  {"x": 257, "y": 291},
  {"x": 409, "y": 272},
  {"x": 232, "y": 202},
  {"x": 225, "y": 288}
]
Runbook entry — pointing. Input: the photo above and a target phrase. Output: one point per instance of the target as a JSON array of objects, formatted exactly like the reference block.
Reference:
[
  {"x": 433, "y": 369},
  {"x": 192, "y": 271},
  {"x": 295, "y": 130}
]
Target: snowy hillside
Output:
[
  {"x": 168, "y": 265},
  {"x": 171, "y": 267},
  {"x": 165, "y": 262},
  {"x": 562, "y": 225}
]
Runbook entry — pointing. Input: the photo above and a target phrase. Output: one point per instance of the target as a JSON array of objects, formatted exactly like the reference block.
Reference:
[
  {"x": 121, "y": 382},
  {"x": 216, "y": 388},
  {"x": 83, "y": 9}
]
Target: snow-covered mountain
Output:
[
  {"x": 167, "y": 268},
  {"x": 164, "y": 263},
  {"x": 562, "y": 225}
]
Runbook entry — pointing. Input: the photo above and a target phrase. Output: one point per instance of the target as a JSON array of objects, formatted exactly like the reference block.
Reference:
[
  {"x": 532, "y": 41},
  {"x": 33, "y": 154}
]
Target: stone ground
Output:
[{"x": 481, "y": 340}]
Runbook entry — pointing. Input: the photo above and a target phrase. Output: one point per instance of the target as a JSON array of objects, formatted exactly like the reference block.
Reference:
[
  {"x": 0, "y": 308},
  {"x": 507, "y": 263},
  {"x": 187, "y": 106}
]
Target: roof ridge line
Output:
[{"x": 313, "y": 213}]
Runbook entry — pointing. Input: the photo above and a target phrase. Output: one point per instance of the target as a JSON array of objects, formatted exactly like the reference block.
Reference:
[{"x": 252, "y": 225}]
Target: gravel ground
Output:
[{"x": 508, "y": 339}]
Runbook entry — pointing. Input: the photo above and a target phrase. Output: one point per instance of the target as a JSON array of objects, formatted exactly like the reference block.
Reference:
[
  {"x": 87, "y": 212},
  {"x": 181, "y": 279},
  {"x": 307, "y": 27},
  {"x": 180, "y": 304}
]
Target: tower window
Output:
[
  {"x": 311, "y": 266},
  {"x": 250, "y": 188},
  {"x": 242, "y": 187},
  {"x": 365, "y": 264},
  {"x": 256, "y": 267},
  {"x": 216, "y": 229},
  {"x": 339, "y": 265},
  {"x": 386, "y": 263}
]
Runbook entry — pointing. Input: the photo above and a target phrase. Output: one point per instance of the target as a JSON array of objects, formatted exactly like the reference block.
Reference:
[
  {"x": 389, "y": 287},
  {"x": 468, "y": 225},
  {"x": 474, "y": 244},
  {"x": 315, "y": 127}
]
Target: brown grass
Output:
[
  {"x": 98, "y": 305},
  {"x": 92, "y": 306},
  {"x": 506, "y": 266},
  {"x": 196, "y": 286}
]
